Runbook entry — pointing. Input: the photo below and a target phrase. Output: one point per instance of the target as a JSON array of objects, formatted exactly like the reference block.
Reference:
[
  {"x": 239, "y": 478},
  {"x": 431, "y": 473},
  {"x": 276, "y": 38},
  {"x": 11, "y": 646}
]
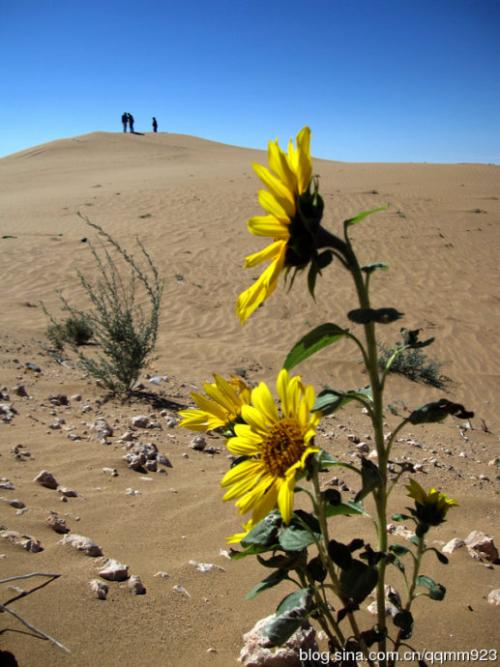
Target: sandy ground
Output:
[{"x": 188, "y": 200}]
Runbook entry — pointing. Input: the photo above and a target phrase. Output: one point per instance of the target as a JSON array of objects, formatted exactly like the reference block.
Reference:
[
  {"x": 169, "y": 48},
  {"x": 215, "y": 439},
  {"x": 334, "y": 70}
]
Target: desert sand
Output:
[{"x": 188, "y": 200}]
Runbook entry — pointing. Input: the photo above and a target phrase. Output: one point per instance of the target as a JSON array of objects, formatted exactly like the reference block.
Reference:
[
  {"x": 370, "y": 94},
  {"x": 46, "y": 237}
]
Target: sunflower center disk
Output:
[{"x": 283, "y": 447}]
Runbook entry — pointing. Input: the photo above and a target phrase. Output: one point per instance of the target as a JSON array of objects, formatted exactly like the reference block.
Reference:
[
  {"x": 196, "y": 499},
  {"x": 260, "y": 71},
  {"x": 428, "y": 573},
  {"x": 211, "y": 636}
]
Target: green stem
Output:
[
  {"x": 411, "y": 594},
  {"x": 328, "y": 564},
  {"x": 380, "y": 494}
]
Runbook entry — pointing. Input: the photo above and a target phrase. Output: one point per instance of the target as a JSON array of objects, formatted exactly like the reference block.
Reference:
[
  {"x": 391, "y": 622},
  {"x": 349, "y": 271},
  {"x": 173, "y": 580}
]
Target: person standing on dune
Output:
[
  {"x": 155, "y": 125},
  {"x": 124, "y": 121},
  {"x": 131, "y": 122}
]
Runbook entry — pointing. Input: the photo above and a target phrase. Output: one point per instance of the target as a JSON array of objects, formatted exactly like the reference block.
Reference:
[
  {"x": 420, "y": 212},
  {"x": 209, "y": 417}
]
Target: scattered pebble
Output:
[
  {"x": 481, "y": 546},
  {"x": 114, "y": 571},
  {"x": 453, "y": 545},
  {"x": 136, "y": 586},
  {"x": 27, "y": 542},
  {"x": 206, "y": 567},
  {"x": 83, "y": 544},
  {"x": 99, "y": 588},
  {"x": 180, "y": 589},
  {"x": 57, "y": 523},
  {"x": 494, "y": 597},
  {"x": 198, "y": 443},
  {"x": 47, "y": 479}
]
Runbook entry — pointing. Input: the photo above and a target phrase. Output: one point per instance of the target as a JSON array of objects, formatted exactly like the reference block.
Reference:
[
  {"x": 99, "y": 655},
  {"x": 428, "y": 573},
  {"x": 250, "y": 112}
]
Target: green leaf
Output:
[
  {"x": 364, "y": 214},
  {"x": 316, "y": 569},
  {"x": 252, "y": 550},
  {"x": 437, "y": 411},
  {"x": 371, "y": 479},
  {"x": 290, "y": 614},
  {"x": 331, "y": 400},
  {"x": 296, "y": 538},
  {"x": 358, "y": 581},
  {"x": 296, "y": 601},
  {"x": 378, "y": 315},
  {"x": 326, "y": 460},
  {"x": 273, "y": 579},
  {"x": 436, "y": 591},
  {"x": 399, "y": 549},
  {"x": 313, "y": 342},
  {"x": 401, "y": 517},
  {"x": 350, "y": 508},
  {"x": 440, "y": 556},
  {"x": 404, "y": 621},
  {"x": 370, "y": 268},
  {"x": 265, "y": 533},
  {"x": 281, "y": 561}
]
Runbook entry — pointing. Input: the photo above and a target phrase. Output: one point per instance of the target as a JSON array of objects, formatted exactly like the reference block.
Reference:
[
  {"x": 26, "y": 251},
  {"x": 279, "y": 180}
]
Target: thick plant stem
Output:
[
  {"x": 328, "y": 564},
  {"x": 380, "y": 494}
]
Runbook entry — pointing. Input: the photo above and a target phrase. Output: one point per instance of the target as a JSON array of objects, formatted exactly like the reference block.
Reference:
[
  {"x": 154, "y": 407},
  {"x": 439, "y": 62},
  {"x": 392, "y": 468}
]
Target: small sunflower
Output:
[
  {"x": 286, "y": 201},
  {"x": 221, "y": 409},
  {"x": 275, "y": 445},
  {"x": 432, "y": 506}
]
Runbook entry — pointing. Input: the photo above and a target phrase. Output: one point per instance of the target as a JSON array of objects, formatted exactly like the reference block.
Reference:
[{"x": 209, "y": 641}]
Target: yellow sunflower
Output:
[
  {"x": 288, "y": 178},
  {"x": 431, "y": 506},
  {"x": 222, "y": 407},
  {"x": 276, "y": 445}
]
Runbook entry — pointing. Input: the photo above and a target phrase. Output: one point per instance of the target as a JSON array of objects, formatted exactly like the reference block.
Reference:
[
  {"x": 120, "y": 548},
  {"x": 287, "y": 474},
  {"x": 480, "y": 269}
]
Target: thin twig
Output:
[{"x": 40, "y": 633}]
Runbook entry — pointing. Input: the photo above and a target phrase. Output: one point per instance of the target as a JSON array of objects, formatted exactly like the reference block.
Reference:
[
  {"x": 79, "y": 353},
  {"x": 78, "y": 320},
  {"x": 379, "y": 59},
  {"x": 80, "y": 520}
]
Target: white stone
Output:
[
  {"x": 452, "y": 546},
  {"x": 256, "y": 651},
  {"x": 180, "y": 589},
  {"x": 99, "y": 588},
  {"x": 481, "y": 546},
  {"x": 392, "y": 602},
  {"x": 27, "y": 542},
  {"x": 83, "y": 544},
  {"x": 136, "y": 586},
  {"x": 113, "y": 570},
  {"x": 140, "y": 421},
  {"x": 206, "y": 567},
  {"x": 494, "y": 597}
]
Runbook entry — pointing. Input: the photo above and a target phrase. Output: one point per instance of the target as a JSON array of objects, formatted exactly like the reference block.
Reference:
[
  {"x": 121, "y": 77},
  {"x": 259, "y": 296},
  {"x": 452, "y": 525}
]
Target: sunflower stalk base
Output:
[{"x": 276, "y": 456}]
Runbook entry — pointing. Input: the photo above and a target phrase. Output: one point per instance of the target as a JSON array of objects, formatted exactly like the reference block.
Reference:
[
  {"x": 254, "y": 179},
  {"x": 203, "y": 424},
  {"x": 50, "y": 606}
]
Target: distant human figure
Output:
[
  {"x": 131, "y": 122},
  {"x": 155, "y": 125},
  {"x": 124, "y": 121}
]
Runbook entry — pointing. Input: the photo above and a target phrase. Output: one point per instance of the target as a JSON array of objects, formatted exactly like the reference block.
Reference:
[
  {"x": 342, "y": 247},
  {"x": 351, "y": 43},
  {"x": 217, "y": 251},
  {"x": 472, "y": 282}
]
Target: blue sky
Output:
[{"x": 379, "y": 80}]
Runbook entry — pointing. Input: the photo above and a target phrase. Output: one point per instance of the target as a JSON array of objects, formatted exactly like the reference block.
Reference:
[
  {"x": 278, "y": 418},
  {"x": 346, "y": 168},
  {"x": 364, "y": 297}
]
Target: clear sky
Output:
[{"x": 377, "y": 80}]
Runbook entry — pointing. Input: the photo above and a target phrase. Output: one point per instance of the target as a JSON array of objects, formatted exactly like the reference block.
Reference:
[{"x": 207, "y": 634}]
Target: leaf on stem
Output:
[
  {"x": 440, "y": 556},
  {"x": 371, "y": 479},
  {"x": 313, "y": 342},
  {"x": 378, "y": 315},
  {"x": 316, "y": 569},
  {"x": 404, "y": 621},
  {"x": 330, "y": 400},
  {"x": 350, "y": 508},
  {"x": 265, "y": 533},
  {"x": 437, "y": 411},
  {"x": 361, "y": 216},
  {"x": 399, "y": 549},
  {"x": 358, "y": 581},
  {"x": 436, "y": 591},
  {"x": 376, "y": 266},
  {"x": 289, "y": 616},
  {"x": 273, "y": 579}
]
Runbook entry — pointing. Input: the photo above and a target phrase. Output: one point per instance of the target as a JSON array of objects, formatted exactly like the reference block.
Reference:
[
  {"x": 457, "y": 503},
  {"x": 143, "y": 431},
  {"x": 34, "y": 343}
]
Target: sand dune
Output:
[{"x": 188, "y": 200}]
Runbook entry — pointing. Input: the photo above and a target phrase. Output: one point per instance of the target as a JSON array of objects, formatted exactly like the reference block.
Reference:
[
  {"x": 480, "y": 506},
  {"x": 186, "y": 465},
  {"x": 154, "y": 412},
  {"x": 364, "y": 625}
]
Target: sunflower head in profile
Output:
[
  {"x": 220, "y": 408},
  {"x": 273, "y": 447},
  {"x": 294, "y": 210},
  {"x": 432, "y": 506}
]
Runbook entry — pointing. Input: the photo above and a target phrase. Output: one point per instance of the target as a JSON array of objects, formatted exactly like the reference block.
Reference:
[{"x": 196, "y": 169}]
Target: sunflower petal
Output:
[{"x": 268, "y": 225}]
